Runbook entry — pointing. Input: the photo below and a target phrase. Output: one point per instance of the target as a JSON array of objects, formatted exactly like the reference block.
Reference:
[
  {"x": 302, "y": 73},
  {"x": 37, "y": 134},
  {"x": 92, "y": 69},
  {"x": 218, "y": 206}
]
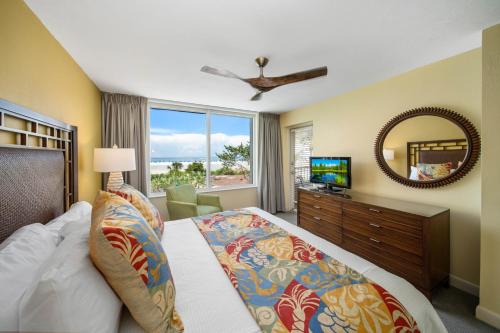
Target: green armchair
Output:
[{"x": 183, "y": 202}]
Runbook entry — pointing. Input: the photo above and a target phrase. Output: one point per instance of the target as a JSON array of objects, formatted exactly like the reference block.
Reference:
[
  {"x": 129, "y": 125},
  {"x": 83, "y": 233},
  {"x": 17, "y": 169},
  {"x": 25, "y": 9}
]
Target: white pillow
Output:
[
  {"x": 21, "y": 257},
  {"x": 81, "y": 225},
  {"x": 414, "y": 173},
  {"x": 71, "y": 295},
  {"x": 79, "y": 211}
]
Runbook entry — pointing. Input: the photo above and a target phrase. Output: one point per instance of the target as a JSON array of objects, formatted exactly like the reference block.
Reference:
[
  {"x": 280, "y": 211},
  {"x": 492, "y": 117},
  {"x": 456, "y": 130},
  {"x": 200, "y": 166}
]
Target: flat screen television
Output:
[{"x": 332, "y": 171}]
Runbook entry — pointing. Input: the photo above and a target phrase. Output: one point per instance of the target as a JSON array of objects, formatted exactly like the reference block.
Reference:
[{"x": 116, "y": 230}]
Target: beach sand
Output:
[
  {"x": 216, "y": 181},
  {"x": 162, "y": 167}
]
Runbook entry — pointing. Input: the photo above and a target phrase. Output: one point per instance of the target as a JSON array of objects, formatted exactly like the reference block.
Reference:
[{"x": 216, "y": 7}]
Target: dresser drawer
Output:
[
  {"x": 318, "y": 199},
  {"x": 389, "y": 261},
  {"x": 320, "y": 213},
  {"x": 402, "y": 225},
  {"x": 328, "y": 231},
  {"x": 380, "y": 230},
  {"x": 383, "y": 246}
]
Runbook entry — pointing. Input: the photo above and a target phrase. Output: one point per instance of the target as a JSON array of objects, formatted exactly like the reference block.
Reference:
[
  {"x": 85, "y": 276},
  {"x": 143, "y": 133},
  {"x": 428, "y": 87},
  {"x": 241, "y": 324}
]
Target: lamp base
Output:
[{"x": 115, "y": 181}]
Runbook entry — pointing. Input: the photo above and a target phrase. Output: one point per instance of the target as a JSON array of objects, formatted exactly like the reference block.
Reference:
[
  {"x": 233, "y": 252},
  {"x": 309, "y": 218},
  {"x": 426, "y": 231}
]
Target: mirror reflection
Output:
[{"x": 425, "y": 148}]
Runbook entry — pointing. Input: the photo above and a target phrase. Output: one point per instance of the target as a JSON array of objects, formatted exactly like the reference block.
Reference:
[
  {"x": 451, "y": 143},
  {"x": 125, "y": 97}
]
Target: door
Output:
[{"x": 301, "y": 150}]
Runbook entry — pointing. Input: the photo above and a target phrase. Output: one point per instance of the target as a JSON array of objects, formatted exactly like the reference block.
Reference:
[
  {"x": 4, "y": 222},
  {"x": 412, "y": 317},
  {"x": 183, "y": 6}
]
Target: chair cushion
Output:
[
  {"x": 147, "y": 209},
  {"x": 182, "y": 193},
  {"x": 205, "y": 210},
  {"x": 126, "y": 250}
]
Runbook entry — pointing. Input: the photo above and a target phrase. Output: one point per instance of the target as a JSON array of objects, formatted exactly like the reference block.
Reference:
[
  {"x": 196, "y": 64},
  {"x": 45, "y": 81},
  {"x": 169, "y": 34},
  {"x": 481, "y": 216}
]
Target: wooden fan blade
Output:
[
  {"x": 220, "y": 72},
  {"x": 299, "y": 76},
  {"x": 257, "y": 96}
]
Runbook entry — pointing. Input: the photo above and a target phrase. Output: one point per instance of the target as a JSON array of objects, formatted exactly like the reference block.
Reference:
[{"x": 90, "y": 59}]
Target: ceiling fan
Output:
[{"x": 264, "y": 84}]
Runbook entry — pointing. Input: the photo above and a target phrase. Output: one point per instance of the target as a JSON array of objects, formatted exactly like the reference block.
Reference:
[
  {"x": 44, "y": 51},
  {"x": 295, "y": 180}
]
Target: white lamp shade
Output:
[
  {"x": 114, "y": 159},
  {"x": 388, "y": 154}
]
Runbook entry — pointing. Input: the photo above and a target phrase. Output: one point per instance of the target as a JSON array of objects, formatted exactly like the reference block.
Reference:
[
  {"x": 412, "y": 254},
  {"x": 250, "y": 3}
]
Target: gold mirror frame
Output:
[{"x": 471, "y": 158}]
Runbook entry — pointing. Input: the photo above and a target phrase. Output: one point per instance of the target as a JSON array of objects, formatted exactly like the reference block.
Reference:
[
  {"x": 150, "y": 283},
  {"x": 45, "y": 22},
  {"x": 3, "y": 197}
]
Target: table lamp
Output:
[
  {"x": 114, "y": 160},
  {"x": 388, "y": 154}
]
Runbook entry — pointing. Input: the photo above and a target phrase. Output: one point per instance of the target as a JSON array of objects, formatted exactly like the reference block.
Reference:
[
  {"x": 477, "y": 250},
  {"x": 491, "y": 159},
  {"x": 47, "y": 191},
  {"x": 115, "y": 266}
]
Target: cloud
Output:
[
  {"x": 191, "y": 144},
  {"x": 218, "y": 141},
  {"x": 162, "y": 131}
]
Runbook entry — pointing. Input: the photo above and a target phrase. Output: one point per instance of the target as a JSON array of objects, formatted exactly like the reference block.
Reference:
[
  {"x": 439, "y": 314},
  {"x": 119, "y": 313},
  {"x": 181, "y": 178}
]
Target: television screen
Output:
[{"x": 335, "y": 171}]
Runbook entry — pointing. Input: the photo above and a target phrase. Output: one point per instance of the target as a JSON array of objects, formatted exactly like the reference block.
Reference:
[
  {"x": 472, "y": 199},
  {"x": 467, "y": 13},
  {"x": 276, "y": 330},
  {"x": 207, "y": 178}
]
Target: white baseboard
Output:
[
  {"x": 464, "y": 285},
  {"x": 488, "y": 316}
]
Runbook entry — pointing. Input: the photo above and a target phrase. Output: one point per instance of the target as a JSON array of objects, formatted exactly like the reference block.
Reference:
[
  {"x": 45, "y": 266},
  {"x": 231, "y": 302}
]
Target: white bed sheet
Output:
[{"x": 208, "y": 303}]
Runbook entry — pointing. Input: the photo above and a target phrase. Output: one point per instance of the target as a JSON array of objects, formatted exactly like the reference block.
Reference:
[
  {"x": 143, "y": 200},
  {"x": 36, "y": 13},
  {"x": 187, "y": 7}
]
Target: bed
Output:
[
  {"x": 189, "y": 254},
  {"x": 452, "y": 151},
  {"x": 206, "y": 302}
]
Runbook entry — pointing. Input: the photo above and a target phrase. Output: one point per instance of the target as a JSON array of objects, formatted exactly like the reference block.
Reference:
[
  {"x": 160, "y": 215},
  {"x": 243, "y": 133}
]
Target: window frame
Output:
[{"x": 208, "y": 111}]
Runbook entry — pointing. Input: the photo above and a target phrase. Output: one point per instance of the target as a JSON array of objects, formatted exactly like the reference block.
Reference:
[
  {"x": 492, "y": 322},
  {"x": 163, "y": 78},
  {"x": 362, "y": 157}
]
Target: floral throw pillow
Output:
[
  {"x": 428, "y": 171},
  {"x": 147, "y": 209},
  {"x": 124, "y": 247}
]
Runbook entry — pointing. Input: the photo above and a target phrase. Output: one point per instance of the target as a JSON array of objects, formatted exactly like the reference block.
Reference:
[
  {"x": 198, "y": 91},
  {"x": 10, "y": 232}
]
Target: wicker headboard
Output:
[
  {"x": 436, "y": 152},
  {"x": 38, "y": 168}
]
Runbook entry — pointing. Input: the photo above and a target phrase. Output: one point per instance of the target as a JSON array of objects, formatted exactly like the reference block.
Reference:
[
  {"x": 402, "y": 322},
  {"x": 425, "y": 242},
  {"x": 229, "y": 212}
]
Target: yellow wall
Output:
[
  {"x": 230, "y": 199},
  {"x": 347, "y": 125},
  {"x": 489, "y": 308},
  {"x": 36, "y": 72},
  {"x": 424, "y": 128}
]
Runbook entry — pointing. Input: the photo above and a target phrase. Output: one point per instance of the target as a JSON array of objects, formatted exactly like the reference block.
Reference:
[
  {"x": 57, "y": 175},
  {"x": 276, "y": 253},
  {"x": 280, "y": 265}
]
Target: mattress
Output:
[{"x": 207, "y": 301}]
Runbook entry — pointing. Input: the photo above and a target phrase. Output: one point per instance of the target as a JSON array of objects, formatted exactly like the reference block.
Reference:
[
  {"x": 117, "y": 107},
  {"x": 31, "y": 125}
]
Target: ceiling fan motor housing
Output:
[{"x": 262, "y": 61}]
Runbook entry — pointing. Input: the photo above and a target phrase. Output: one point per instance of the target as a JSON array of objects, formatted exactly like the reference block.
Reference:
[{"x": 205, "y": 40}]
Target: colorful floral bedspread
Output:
[{"x": 290, "y": 286}]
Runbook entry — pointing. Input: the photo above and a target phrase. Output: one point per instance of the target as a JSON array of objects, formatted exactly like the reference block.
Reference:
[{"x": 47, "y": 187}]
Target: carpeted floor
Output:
[{"x": 455, "y": 307}]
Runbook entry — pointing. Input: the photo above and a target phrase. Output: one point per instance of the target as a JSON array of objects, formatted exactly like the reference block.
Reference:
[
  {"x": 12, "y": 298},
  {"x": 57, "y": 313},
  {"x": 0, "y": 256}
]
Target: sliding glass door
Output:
[{"x": 301, "y": 150}]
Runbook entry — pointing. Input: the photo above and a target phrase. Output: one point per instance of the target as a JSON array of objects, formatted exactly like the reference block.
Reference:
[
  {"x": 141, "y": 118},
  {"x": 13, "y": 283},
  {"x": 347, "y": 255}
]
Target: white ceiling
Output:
[{"x": 155, "y": 48}]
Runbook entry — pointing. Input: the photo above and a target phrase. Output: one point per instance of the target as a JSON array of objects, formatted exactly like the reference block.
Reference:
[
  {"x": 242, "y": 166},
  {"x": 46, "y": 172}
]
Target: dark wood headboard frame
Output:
[
  {"x": 27, "y": 137},
  {"x": 452, "y": 147}
]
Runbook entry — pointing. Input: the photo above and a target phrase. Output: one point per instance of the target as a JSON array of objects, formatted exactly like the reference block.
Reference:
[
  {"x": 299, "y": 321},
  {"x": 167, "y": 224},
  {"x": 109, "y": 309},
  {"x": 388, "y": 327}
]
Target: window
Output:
[
  {"x": 230, "y": 144},
  {"x": 208, "y": 149},
  {"x": 301, "y": 150}
]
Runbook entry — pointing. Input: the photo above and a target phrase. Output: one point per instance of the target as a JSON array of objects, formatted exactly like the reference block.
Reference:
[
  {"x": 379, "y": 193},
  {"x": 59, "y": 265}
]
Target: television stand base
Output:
[{"x": 333, "y": 190}]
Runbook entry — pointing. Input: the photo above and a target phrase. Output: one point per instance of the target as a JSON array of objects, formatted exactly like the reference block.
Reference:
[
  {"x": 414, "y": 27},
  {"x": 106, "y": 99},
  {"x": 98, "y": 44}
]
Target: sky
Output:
[
  {"x": 326, "y": 162},
  {"x": 182, "y": 134}
]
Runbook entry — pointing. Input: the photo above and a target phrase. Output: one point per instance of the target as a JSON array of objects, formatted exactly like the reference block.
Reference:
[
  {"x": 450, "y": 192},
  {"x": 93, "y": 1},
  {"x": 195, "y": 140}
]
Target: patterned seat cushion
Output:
[
  {"x": 147, "y": 209},
  {"x": 205, "y": 210},
  {"x": 126, "y": 250}
]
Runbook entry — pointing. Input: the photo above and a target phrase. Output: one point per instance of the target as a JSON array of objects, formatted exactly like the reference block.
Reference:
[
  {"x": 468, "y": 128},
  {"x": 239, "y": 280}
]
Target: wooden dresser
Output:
[{"x": 408, "y": 239}]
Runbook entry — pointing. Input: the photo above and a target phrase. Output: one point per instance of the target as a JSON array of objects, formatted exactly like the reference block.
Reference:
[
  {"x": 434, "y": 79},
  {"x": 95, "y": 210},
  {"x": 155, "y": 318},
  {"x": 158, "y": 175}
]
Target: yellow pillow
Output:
[
  {"x": 147, "y": 209},
  {"x": 125, "y": 249}
]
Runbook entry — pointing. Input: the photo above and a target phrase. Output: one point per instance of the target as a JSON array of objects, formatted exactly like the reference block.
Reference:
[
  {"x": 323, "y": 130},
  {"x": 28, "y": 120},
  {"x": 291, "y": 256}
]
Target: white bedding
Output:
[{"x": 208, "y": 303}]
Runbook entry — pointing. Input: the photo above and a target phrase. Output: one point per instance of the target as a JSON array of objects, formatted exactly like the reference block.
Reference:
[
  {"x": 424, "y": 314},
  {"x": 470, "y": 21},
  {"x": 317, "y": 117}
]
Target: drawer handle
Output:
[
  {"x": 317, "y": 196},
  {"x": 374, "y": 240},
  {"x": 317, "y": 218},
  {"x": 374, "y": 210},
  {"x": 374, "y": 225},
  {"x": 317, "y": 207}
]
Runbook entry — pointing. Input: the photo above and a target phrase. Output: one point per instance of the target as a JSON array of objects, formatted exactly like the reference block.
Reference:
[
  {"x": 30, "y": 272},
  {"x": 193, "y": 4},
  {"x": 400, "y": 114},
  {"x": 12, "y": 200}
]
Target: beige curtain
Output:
[
  {"x": 124, "y": 124},
  {"x": 271, "y": 192}
]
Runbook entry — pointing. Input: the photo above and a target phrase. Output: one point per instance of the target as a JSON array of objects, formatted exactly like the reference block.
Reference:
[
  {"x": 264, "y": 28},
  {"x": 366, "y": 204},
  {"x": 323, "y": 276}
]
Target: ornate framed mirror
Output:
[{"x": 427, "y": 147}]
